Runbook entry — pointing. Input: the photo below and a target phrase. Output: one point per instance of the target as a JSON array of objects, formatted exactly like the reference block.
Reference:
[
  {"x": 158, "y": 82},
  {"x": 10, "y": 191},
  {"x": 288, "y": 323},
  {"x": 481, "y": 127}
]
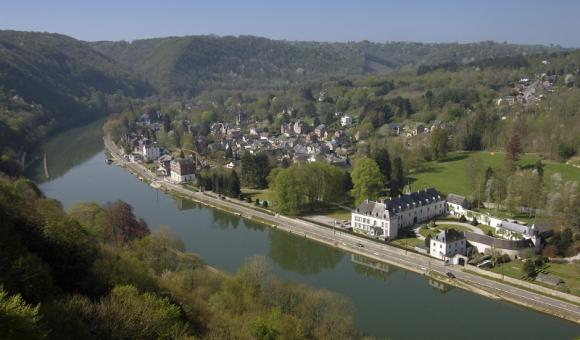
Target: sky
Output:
[{"x": 516, "y": 21}]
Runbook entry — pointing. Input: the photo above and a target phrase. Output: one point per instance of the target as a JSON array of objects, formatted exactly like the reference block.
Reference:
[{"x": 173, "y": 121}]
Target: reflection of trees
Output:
[
  {"x": 372, "y": 268},
  {"x": 67, "y": 150},
  {"x": 301, "y": 255},
  {"x": 224, "y": 221},
  {"x": 185, "y": 204}
]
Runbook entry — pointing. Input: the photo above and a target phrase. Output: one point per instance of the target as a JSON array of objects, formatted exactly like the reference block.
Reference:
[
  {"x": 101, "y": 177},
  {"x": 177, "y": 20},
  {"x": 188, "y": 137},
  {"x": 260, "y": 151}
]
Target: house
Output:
[
  {"x": 345, "y": 120},
  {"x": 447, "y": 244},
  {"x": 164, "y": 165},
  {"x": 300, "y": 128},
  {"x": 320, "y": 130},
  {"x": 182, "y": 170},
  {"x": 395, "y": 129},
  {"x": 417, "y": 129},
  {"x": 149, "y": 150},
  {"x": 384, "y": 219},
  {"x": 287, "y": 129},
  {"x": 457, "y": 205}
]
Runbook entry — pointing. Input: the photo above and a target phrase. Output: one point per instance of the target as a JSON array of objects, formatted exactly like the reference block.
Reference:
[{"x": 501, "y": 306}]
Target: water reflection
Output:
[
  {"x": 67, "y": 150},
  {"x": 371, "y": 268},
  {"x": 439, "y": 286},
  {"x": 300, "y": 255}
]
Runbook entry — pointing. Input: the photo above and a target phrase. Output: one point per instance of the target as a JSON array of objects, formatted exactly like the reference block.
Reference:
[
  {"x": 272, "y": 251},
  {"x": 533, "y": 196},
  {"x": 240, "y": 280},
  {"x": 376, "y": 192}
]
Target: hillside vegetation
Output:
[
  {"x": 96, "y": 272},
  {"x": 51, "y": 81},
  {"x": 187, "y": 65}
]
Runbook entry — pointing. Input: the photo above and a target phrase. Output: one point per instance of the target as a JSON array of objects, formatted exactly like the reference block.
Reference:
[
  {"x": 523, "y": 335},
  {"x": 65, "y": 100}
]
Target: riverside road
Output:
[{"x": 372, "y": 249}]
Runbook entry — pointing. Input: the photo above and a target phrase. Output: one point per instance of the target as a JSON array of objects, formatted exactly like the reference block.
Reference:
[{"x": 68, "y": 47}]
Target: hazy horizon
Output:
[{"x": 516, "y": 22}]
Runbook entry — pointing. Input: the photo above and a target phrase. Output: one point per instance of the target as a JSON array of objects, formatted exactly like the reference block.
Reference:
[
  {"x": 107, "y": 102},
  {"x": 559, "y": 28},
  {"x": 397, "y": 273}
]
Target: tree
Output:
[
  {"x": 381, "y": 157},
  {"x": 367, "y": 180},
  {"x": 397, "y": 177},
  {"x": 19, "y": 320},
  {"x": 234, "y": 184},
  {"x": 439, "y": 143},
  {"x": 124, "y": 223},
  {"x": 127, "y": 314},
  {"x": 529, "y": 267},
  {"x": 428, "y": 241},
  {"x": 513, "y": 150}
]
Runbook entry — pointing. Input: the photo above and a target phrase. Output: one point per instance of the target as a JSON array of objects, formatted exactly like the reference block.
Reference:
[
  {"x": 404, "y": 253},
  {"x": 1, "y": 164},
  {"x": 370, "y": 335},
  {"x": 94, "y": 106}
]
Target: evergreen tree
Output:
[
  {"x": 398, "y": 178},
  {"x": 383, "y": 160},
  {"x": 234, "y": 184}
]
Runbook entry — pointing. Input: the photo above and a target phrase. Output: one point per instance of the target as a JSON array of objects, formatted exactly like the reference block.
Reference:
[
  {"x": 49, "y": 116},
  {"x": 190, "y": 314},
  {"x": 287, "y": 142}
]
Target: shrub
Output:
[
  {"x": 249, "y": 199},
  {"x": 462, "y": 219},
  {"x": 265, "y": 204},
  {"x": 257, "y": 202},
  {"x": 529, "y": 268},
  {"x": 474, "y": 222}
]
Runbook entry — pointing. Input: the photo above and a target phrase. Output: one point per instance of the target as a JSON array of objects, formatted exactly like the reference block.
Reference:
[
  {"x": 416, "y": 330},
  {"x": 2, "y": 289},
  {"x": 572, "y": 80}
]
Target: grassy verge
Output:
[{"x": 568, "y": 272}]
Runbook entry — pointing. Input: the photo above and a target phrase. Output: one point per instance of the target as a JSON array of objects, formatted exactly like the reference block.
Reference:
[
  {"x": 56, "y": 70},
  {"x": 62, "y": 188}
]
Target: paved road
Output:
[{"x": 372, "y": 249}]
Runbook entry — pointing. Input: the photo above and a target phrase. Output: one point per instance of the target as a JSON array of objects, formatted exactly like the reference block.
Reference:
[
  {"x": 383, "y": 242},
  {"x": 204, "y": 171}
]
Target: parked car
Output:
[
  {"x": 450, "y": 275},
  {"x": 360, "y": 245}
]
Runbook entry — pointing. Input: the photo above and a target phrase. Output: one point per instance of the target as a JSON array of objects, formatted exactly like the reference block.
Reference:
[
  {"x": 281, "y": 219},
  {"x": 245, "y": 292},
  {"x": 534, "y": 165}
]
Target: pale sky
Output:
[{"x": 528, "y": 22}]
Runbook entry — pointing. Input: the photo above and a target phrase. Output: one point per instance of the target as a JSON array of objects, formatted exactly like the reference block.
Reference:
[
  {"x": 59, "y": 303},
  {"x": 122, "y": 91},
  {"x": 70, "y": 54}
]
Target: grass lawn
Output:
[
  {"x": 339, "y": 214},
  {"x": 450, "y": 176},
  {"x": 486, "y": 229},
  {"x": 410, "y": 242},
  {"x": 434, "y": 231},
  {"x": 262, "y": 195},
  {"x": 569, "y": 272}
]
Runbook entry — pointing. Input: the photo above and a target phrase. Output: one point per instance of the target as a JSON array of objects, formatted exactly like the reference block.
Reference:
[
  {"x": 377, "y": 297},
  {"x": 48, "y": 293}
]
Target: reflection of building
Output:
[
  {"x": 371, "y": 267},
  {"x": 384, "y": 219},
  {"x": 440, "y": 286}
]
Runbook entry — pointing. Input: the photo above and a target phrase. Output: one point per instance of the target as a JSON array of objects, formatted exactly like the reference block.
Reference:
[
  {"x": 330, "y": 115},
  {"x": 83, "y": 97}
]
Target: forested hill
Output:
[
  {"x": 186, "y": 65},
  {"x": 50, "y": 81}
]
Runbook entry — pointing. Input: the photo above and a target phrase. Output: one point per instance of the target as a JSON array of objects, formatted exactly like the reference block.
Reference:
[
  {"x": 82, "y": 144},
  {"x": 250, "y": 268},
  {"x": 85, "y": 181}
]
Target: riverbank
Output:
[{"x": 378, "y": 251}]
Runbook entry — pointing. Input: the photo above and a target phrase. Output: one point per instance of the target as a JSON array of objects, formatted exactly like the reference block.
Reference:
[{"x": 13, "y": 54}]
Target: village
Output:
[{"x": 442, "y": 227}]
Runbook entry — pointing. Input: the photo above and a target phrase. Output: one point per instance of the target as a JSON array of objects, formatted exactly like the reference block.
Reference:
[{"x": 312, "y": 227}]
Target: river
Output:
[{"x": 388, "y": 301}]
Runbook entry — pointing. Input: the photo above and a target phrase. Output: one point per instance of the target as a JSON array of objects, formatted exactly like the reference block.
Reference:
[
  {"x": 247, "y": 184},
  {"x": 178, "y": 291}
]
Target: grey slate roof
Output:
[
  {"x": 457, "y": 199},
  {"x": 449, "y": 235},
  {"x": 398, "y": 204},
  {"x": 518, "y": 228},
  {"x": 499, "y": 243}
]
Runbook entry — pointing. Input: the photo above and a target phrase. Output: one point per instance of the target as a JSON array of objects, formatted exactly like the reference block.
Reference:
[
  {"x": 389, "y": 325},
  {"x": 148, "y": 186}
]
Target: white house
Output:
[
  {"x": 149, "y": 151},
  {"x": 447, "y": 244},
  {"x": 182, "y": 170},
  {"x": 384, "y": 219},
  {"x": 457, "y": 205},
  {"x": 345, "y": 120}
]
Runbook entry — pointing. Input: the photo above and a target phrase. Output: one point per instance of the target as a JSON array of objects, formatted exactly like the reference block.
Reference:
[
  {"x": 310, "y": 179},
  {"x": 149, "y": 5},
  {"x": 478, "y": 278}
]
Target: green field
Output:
[
  {"x": 451, "y": 176},
  {"x": 569, "y": 273}
]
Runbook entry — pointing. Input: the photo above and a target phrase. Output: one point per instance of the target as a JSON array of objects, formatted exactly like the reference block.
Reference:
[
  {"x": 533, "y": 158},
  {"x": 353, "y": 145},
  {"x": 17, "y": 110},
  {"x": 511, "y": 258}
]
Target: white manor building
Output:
[
  {"x": 447, "y": 244},
  {"x": 384, "y": 219}
]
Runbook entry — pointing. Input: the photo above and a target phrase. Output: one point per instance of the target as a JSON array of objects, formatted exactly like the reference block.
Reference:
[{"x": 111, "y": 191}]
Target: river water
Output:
[{"x": 388, "y": 301}]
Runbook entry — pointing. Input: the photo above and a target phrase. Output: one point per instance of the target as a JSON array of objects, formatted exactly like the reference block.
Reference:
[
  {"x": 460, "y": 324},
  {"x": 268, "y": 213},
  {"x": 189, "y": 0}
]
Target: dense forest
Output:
[
  {"x": 50, "y": 82},
  {"x": 189, "y": 65},
  {"x": 97, "y": 272}
]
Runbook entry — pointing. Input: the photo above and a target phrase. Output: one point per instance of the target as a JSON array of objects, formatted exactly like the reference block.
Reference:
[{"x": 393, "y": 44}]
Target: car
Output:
[
  {"x": 375, "y": 253},
  {"x": 450, "y": 275},
  {"x": 360, "y": 245}
]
